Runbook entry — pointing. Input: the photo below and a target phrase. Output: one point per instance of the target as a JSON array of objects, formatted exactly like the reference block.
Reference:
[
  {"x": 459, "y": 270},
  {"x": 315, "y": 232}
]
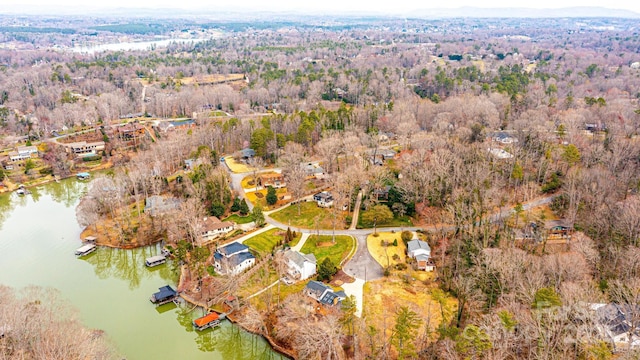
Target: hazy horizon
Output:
[{"x": 400, "y": 7}]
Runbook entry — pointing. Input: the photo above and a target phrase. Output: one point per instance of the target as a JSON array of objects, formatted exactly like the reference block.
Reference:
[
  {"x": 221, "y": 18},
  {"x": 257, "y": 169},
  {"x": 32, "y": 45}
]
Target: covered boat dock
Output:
[{"x": 165, "y": 295}]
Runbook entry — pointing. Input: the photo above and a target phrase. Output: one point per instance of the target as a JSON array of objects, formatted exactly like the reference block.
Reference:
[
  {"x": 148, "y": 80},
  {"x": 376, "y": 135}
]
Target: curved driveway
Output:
[{"x": 362, "y": 265}]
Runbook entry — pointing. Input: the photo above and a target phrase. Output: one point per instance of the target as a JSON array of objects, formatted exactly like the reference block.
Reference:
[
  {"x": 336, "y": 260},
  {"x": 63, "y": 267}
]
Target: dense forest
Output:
[{"x": 485, "y": 115}]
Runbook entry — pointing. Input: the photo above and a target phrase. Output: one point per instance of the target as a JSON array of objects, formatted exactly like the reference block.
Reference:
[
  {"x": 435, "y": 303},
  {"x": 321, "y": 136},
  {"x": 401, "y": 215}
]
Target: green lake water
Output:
[{"x": 110, "y": 288}]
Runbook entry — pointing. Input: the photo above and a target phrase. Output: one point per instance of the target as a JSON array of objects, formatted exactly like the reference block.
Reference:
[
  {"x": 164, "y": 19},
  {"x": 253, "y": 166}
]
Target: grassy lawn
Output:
[
  {"x": 258, "y": 281},
  {"x": 239, "y": 219},
  {"x": 260, "y": 198},
  {"x": 384, "y": 296},
  {"x": 322, "y": 247},
  {"x": 173, "y": 177},
  {"x": 264, "y": 242},
  {"x": 310, "y": 212},
  {"x": 235, "y": 166},
  {"x": 395, "y": 222},
  {"x": 249, "y": 182},
  {"x": 277, "y": 293},
  {"x": 384, "y": 254}
]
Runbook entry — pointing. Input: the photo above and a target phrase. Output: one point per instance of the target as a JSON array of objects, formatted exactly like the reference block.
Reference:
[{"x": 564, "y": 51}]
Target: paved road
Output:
[{"x": 362, "y": 265}]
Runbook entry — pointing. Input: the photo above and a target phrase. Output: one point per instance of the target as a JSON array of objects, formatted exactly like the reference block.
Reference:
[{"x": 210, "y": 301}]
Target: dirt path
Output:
[{"x": 356, "y": 212}]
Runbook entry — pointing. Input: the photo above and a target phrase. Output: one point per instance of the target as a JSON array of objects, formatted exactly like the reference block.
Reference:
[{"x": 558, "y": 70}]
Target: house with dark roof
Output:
[
  {"x": 301, "y": 266},
  {"x": 323, "y": 294},
  {"x": 233, "y": 259},
  {"x": 618, "y": 324},
  {"x": 558, "y": 230},
  {"x": 163, "y": 296},
  {"x": 379, "y": 156},
  {"x": 382, "y": 194},
  {"x": 247, "y": 154},
  {"x": 131, "y": 131},
  {"x": 421, "y": 252},
  {"x": 323, "y": 199}
]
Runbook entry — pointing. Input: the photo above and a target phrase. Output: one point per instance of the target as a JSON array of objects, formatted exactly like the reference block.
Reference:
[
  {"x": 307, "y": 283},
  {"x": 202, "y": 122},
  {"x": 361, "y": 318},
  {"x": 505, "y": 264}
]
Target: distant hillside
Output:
[
  {"x": 575, "y": 12},
  {"x": 243, "y": 13}
]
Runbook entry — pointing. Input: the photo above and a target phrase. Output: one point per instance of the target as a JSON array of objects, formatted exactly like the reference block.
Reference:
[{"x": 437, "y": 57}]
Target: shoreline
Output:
[
  {"x": 274, "y": 345},
  {"x": 53, "y": 178}
]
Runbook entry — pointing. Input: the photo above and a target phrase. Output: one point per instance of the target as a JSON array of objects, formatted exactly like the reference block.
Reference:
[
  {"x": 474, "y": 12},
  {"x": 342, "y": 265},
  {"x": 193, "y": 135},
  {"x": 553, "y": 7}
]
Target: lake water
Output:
[{"x": 110, "y": 288}]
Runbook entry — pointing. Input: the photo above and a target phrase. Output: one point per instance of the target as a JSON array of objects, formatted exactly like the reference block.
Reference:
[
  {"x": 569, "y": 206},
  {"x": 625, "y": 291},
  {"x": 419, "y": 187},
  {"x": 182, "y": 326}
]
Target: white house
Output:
[
  {"x": 421, "y": 251},
  {"x": 615, "y": 324},
  {"x": 324, "y": 199},
  {"x": 504, "y": 138},
  {"x": 23, "y": 153},
  {"x": 499, "y": 153},
  {"x": 233, "y": 259},
  {"x": 212, "y": 227},
  {"x": 301, "y": 266},
  {"x": 83, "y": 148}
]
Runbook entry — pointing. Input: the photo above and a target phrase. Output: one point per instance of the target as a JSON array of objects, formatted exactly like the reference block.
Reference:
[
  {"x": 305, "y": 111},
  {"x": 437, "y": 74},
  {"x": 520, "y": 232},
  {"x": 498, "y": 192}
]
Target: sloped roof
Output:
[
  {"x": 422, "y": 257},
  {"x": 416, "y": 244},
  {"x": 299, "y": 258},
  {"x": 213, "y": 223},
  {"x": 233, "y": 248},
  {"x": 316, "y": 287},
  {"x": 311, "y": 258},
  {"x": 325, "y": 196},
  {"x": 239, "y": 258},
  {"x": 329, "y": 298},
  {"x": 248, "y": 152},
  {"x": 341, "y": 294},
  {"x": 164, "y": 293},
  {"x": 201, "y": 321}
]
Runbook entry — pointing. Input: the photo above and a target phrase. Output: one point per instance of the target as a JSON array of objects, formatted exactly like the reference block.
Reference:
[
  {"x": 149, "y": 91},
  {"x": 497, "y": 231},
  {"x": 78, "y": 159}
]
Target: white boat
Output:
[
  {"x": 85, "y": 249},
  {"x": 155, "y": 261}
]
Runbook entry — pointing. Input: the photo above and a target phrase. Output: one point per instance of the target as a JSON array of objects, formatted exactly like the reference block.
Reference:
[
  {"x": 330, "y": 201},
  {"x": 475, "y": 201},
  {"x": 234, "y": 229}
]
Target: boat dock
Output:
[
  {"x": 164, "y": 296},
  {"x": 155, "y": 261},
  {"x": 83, "y": 176},
  {"x": 85, "y": 250},
  {"x": 210, "y": 320}
]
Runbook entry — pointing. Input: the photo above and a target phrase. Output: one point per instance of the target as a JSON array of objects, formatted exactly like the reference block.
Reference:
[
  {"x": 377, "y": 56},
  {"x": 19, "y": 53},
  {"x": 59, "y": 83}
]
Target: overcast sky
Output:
[{"x": 330, "y": 5}]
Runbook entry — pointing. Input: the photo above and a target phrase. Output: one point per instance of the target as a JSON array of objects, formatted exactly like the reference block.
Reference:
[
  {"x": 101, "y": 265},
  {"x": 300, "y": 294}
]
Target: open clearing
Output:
[
  {"x": 323, "y": 246},
  {"x": 264, "y": 242},
  {"x": 235, "y": 166},
  {"x": 311, "y": 216},
  {"x": 383, "y": 297},
  {"x": 384, "y": 255}
]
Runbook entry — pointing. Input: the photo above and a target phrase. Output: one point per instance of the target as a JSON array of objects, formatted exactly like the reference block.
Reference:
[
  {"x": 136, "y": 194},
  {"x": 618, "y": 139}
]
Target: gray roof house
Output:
[
  {"x": 301, "y": 266},
  {"x": 421, "y": 251},
  {"x": 324, "y": 294},
  {"x": 615, "y": 324}
]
